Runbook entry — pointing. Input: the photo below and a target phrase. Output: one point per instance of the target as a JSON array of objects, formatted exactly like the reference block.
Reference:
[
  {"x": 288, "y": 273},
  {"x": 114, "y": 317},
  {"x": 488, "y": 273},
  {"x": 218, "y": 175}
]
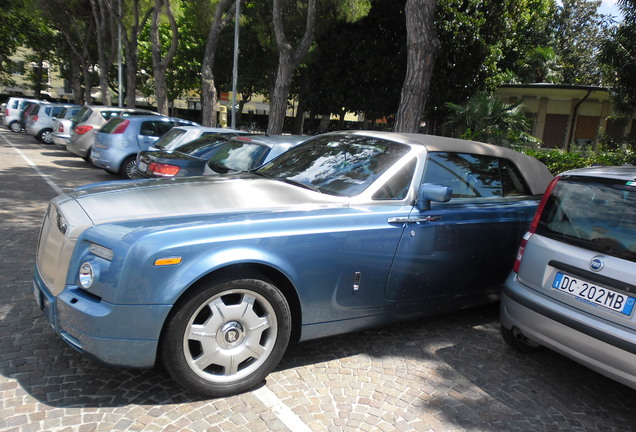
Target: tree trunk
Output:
[
  {"x": 160, "y": 64},
  {"x": 102, "y": 16},
  {"x": 76, "y": 83},
  {"x": 208, "y": 87},
  {"x": 422, "y": 45},
  {"x": 88, "y": 85},
  {"x": 131, "y": 48},
  {"x": 278, "y": 100},
  {"x": 287, "y": 61}
]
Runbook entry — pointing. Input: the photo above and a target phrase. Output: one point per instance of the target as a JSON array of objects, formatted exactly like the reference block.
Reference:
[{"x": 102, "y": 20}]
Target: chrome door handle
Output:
[{"x": 409, "y": 219}]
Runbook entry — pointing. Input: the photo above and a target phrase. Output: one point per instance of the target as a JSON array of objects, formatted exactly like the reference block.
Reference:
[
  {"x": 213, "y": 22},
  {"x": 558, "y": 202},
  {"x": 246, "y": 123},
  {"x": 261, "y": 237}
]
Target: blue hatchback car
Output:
[
  {"x": 213, "y": 276},
  {"x": 121, "y": 138}
]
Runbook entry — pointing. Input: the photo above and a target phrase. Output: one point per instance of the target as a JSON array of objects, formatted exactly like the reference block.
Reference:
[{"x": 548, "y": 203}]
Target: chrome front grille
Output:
[{"x": 54, "y": 252}]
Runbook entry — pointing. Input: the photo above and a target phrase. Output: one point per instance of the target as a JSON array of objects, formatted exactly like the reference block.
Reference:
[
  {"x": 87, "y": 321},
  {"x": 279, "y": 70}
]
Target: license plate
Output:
[
  {"x": 594, "y": 294},
  {"x": 143, "y": 166}
]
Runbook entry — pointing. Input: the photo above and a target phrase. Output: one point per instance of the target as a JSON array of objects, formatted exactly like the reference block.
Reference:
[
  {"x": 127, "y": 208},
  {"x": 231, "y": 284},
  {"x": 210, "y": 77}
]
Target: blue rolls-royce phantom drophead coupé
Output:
[{"x": 214, "y": 276}]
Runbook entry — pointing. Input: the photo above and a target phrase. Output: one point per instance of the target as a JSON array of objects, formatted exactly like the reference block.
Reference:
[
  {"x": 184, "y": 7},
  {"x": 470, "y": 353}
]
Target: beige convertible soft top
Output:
[{"x": 535, "y": 173}]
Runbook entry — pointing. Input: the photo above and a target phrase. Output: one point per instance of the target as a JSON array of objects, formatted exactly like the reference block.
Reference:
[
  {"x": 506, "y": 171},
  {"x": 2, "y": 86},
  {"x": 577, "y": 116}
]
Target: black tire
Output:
[
  {"x": 128, "y": 167},
  {"x": 225, "y": 339},
  {"x": 45, "y": 136},
  {"x": 517, "y": 341}
]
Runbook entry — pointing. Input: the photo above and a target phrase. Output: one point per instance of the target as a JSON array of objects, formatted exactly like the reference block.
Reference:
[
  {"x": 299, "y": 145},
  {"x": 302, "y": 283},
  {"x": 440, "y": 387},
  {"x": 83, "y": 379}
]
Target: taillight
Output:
[
  {"x": 533, "y": 225},
  {"x": 60, "y": 128},
  {"x": 121, "y": 127},
  {"x": 80, "y": 130},
  {"x": 163, "y": 170},
  {"x": 35, "y": 118},
  {"x": 6, "y": 112}
]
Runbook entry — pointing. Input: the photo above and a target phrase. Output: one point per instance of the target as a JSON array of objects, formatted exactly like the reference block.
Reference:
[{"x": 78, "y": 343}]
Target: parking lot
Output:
[{"x": 446, "y": 373}]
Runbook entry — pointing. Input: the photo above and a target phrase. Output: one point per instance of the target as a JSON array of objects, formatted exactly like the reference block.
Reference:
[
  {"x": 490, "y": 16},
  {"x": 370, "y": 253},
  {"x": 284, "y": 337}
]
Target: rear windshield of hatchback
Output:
[{"x": 593, "y": 213}]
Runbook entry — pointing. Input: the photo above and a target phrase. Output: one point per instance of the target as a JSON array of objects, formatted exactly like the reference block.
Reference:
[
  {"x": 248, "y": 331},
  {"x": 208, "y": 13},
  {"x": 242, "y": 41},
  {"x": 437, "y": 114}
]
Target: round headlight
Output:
[{"x": 86, "y": 275}]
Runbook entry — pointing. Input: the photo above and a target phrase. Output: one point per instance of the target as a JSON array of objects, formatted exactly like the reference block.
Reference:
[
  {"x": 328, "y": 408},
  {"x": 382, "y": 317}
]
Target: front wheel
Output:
[{"x": 227, "y": 338}]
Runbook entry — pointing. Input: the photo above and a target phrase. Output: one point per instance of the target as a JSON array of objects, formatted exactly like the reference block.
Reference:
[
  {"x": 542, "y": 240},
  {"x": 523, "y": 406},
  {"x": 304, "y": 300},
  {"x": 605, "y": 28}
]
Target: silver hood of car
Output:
[{"x": 147, "y": 199}]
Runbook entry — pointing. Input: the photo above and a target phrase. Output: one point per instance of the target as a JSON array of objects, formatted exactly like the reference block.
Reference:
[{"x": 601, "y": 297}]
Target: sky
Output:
[{"x": 608, "y": 7}]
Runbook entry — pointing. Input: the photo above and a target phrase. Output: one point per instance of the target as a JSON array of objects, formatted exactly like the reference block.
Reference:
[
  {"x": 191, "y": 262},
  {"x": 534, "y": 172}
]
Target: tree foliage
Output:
[
  {"x": 618, "y": 55},
  {"x": 488, "y": 119}
]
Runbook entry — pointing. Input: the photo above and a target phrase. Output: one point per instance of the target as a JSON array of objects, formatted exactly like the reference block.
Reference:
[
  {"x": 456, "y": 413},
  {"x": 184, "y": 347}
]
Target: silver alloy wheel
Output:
[
  {"x": 15, "y": 126},
  {"x": 230, "y": 336},
  {"x": 129, "y": 168},
  {"x": 47, "y": 136}
]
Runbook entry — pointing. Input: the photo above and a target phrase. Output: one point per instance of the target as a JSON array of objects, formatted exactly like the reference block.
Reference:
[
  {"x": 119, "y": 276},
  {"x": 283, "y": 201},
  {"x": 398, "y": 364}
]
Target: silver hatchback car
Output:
[{"x": 573, "y": 288}]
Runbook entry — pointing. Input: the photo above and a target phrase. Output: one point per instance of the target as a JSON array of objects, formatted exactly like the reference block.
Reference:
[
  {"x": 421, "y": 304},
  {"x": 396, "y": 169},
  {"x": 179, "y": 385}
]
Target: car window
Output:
[
  {"x": 597, "y": 214},
  {"x": 474, "y": 176},
  {"x": 237, "y": 156},
  {"x": 398, "y": 186},
  {"x": 110, "y": 126},
  {"x": 201, "y": 145},
  {"x": 108, "y": 114},
  {"x": 35, "y": 109},
  {"x": 169, "y": 137},
  {"x": 55, "y": 111},
  {"x": 154, "y": 128},
  {"x": 82, "y": 115},
  {"x": 343, "y": 165}
]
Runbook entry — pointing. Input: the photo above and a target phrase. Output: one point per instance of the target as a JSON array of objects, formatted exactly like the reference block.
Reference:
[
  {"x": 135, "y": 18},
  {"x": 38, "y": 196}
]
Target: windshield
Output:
[
  {"x": 169, "y": 137},
  {"x": 343, "y": 165},
  {"x": 596, "y": 214},
  {"x": 238, "y": 156},
  {"x": 201, "y": 145}
]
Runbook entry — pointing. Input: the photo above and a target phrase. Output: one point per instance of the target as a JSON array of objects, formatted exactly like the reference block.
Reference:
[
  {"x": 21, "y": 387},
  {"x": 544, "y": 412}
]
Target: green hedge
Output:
[{"x": 558, "y": 161}]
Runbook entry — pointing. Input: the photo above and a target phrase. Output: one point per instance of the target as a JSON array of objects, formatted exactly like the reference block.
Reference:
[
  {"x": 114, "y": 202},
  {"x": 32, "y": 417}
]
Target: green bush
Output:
[{"x": 558, "y": 161}]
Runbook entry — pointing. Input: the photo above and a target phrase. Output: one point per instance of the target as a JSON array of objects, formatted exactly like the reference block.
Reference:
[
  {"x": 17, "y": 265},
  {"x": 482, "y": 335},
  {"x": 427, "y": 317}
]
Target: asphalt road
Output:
[{"x": 447, "y": 373}]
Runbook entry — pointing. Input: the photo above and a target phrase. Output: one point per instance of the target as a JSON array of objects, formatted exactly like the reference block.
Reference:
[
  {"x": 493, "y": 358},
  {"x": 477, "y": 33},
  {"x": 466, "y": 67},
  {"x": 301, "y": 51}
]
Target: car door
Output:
[
  {"x": 150, "y": 131},
  {"x": 467, "y": 245}
]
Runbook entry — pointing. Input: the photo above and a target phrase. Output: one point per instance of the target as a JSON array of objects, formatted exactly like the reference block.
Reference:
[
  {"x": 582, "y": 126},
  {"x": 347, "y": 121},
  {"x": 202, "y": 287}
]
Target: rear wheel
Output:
[
  {"x": 128, "y": 167},
  {"x": 225, "y": 339},
  {"x": 516, "y": 340},
  {"x": 45, "y": 136},
  {"x": 16, "y": 126}
]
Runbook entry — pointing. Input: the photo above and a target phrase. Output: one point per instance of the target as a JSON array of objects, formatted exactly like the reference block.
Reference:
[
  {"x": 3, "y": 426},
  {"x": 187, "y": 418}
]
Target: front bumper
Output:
[
  {"x": 116, "y": 335},
  {"x": 603, "y": 346}
]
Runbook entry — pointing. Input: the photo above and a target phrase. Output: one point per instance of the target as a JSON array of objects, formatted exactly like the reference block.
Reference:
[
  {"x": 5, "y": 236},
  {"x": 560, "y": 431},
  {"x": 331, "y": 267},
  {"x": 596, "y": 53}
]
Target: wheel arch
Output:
[{"x": 246, "y": 270}]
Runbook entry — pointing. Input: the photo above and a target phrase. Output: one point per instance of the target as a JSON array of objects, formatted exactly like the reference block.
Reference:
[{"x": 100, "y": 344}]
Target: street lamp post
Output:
[{"x": 235, "y": 64}]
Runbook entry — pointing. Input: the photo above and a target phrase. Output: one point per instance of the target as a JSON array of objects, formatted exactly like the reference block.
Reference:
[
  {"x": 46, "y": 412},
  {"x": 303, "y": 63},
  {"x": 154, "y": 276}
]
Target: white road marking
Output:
[
  {"x": 282, "y": 411},
  {"x": 46, "y": 178}
]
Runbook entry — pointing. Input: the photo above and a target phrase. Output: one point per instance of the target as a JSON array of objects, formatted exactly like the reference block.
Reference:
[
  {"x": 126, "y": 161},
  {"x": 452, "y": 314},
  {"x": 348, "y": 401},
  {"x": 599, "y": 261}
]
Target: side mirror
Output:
[{"x": 432, "y": 192}]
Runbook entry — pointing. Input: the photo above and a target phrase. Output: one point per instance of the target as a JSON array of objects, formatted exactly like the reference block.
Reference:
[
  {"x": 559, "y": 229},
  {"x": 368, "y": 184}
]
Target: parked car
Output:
[
  {"x": 118, "y": 141},
  {"x": 213, "y": 276},
  {"x": 182, "y": 134},
  {"x": 245, "y": 153},
  {"x": 573, "y": 288},
  {"x": 41, "y": 120},
  {"x": 188, "y": 159},
  {"x": 62, "y": 125},
  {"x": 12, "y": 119},
  {"x": 89, "y": 119}
]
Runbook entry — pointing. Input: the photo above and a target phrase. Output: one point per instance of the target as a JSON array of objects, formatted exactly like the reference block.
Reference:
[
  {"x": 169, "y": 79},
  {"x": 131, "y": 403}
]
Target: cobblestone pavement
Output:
[{"x": 447, "y": 373}]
